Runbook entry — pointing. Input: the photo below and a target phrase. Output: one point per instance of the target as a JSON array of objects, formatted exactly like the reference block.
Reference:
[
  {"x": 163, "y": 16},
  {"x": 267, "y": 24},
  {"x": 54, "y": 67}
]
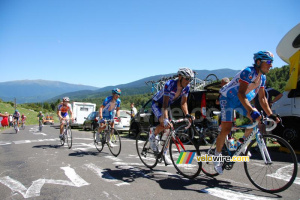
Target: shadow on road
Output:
[
  {"x": 128, "y": 174},
  {"x": 86, "y": 153},
  {"x": 9, "y": 133},
  {"x": 50, "y": 146}
]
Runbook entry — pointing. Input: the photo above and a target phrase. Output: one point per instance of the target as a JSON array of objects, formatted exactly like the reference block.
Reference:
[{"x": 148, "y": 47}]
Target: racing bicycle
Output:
[
  {"x": 67, "y": 134},
  {"x": 179, "y": 152},
  {"x": 109, "y": 136},
  {"x": 273, "y": 163}
]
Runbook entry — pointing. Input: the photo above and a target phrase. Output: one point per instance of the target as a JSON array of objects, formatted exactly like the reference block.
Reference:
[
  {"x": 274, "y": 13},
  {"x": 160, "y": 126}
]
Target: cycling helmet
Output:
[
  {"x": 186, "y": 72},
  {"x": 263, "y": 55},
  {"x": 116, "y": 91},
  {"x": 66, "y": 99},
  {"x": 16, "y": 111},
  {"x": 40, "y": 111}
]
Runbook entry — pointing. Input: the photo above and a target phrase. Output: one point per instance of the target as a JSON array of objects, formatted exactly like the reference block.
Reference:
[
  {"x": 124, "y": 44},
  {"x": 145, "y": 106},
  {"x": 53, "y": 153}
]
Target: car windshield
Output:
[{"x": 124, "y": 114}]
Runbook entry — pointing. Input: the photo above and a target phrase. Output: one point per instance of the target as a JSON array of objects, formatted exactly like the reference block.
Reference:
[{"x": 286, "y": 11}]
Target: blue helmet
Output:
[
  {"x": 116, "y": 91},
  {"x": 263, "y": 55}
]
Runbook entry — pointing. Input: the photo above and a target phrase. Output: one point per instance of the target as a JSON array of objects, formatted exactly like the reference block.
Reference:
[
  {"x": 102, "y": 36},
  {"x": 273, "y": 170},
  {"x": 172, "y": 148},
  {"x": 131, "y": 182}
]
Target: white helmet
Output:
[
  {"x": 186, "y": 72},
  {"x": 66, "y": 99}
]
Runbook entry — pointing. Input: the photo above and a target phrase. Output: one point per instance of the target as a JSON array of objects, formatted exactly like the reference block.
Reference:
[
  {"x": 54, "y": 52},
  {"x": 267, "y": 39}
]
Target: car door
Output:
[{"x": 88, "y": 121}]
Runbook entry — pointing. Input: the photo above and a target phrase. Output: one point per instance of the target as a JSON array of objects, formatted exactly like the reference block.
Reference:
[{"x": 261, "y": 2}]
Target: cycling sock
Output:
[{"x": 217, "y": 153}]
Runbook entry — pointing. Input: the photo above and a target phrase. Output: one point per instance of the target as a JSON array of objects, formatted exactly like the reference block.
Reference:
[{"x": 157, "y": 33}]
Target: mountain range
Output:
[{"x": 27, "y": 91}]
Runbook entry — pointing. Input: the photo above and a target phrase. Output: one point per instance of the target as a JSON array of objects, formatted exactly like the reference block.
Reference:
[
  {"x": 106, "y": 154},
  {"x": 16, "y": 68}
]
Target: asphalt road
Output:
[{"x": 34, "y": 165}]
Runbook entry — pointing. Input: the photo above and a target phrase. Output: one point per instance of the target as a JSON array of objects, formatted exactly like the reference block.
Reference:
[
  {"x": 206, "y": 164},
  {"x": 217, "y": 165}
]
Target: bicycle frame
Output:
[
  {"x": 107, "y": 129},
  {"x": 66, "y": 126},
  {"x": 172, "y": 135},
  {"x": 254, "y": 134}
]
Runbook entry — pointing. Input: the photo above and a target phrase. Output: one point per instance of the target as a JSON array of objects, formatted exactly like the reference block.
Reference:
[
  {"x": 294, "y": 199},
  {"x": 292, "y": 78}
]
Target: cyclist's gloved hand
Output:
[
  {"x": 102, "y": 120},
  {"x": 166, "y": 122},
  {"x": 188, "y": 116},
  {"x": 254, "y": 114},
  {"x": 272, "y": 116}
]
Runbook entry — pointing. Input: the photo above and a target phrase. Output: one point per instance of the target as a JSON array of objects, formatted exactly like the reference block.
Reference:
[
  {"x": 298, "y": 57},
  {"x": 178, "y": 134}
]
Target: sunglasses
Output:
[
  {"x": 188, "y": 79},
  {"x": 267, "y": 61}
]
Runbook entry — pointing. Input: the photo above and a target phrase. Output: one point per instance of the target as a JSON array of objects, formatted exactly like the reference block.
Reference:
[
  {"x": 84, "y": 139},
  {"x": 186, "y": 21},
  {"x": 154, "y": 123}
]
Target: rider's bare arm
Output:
[
  {"x": 165, "y": 107},
  {"x": 118, "y": 112},
  {"x": 184, "y": 105},
  {"x": 100, "y": 111},
  {"x": 264, "y": 101}
]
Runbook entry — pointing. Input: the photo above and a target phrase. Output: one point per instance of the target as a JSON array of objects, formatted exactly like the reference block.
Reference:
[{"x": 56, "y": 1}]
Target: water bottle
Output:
[
  {"x": 231, "y": 144},
  {"x": 164, "y": 137}
]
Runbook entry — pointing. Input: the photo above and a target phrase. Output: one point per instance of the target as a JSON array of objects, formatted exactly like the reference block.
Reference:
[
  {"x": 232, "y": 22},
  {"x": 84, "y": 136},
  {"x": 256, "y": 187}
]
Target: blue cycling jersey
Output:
[
  {"x": 229, "y": 100},
  {"x": 249, "y": 76},
  {"x": 107, "y": 111},
  {"x": 170, "y": 90}
]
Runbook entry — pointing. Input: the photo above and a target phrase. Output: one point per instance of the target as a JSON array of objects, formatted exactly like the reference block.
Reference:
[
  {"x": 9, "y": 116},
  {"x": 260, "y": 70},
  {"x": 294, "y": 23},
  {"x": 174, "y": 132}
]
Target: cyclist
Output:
[
  {"x": 172, "y": 91},
  {"x": 23, "y": 118},
  {"x": 237, "y": 95},
  {"x": 40, "y": 117},
  {"x": 107, "y": 112},
  {"x": 16, "y": 117},
  {"x": 62, "y": 112}
]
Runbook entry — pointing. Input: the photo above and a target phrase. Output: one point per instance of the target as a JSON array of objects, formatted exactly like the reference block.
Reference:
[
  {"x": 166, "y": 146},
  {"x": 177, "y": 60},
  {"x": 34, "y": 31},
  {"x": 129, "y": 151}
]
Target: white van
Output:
[{"x": 80, "y": 111}]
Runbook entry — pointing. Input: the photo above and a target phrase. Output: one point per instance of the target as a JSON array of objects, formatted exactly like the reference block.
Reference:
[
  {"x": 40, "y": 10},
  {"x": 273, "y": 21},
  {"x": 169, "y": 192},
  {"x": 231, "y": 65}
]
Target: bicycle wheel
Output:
[
  {"x": 23, "y": 126},
  {"x": 277, "y": 175},
  {"x": 99, "y": 145},
  {"x": 114, "y": 142},
  {"x": 208, "y": 167},
  {"x": 144, "y": 151},
  {"x": 184, "y": 135},
  {"x": 69, "y": 137},
  {"x": 184, "y": 158}
]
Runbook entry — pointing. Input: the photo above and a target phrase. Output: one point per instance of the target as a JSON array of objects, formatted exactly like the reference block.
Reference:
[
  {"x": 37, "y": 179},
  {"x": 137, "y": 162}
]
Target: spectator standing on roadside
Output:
[
  {"x": 4, "y": 121},
  {"x": 10, "y": 120},
  {"x": 224, "y": 81},
  {"x": 133, "y": 110},
  {"x": 2, "y": 117}
]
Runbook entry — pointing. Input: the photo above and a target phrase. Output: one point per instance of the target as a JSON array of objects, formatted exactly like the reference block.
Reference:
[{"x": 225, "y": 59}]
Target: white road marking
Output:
[
  {"x": 75, "y": 178},
  {"x": 22, "y": 141},
  {"x": 283, "y": 174},
  {"x": 4, "y": 143},
  {"x": 231, "y": 195},
  {"x": 113, "y": 158},
  {"x": 35, "y": 189}
]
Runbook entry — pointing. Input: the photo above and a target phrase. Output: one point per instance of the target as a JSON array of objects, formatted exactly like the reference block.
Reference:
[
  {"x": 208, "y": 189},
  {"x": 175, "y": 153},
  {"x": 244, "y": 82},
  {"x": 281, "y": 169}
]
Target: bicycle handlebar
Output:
[
  {"x": 182, "y": 120},
  {"x": 265, "y": 120}
]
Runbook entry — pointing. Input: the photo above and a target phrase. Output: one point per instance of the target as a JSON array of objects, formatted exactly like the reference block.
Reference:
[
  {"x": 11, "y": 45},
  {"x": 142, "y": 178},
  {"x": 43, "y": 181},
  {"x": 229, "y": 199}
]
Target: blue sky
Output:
[{"x": 110, "y": 42}]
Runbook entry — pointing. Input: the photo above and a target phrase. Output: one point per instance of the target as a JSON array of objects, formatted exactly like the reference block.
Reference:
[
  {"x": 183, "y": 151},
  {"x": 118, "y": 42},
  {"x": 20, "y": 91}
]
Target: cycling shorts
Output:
[
  {"x": 157, "y": 110},
  {"x": 66, "y": 118},
  {"x": 228, "y": 105}
]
